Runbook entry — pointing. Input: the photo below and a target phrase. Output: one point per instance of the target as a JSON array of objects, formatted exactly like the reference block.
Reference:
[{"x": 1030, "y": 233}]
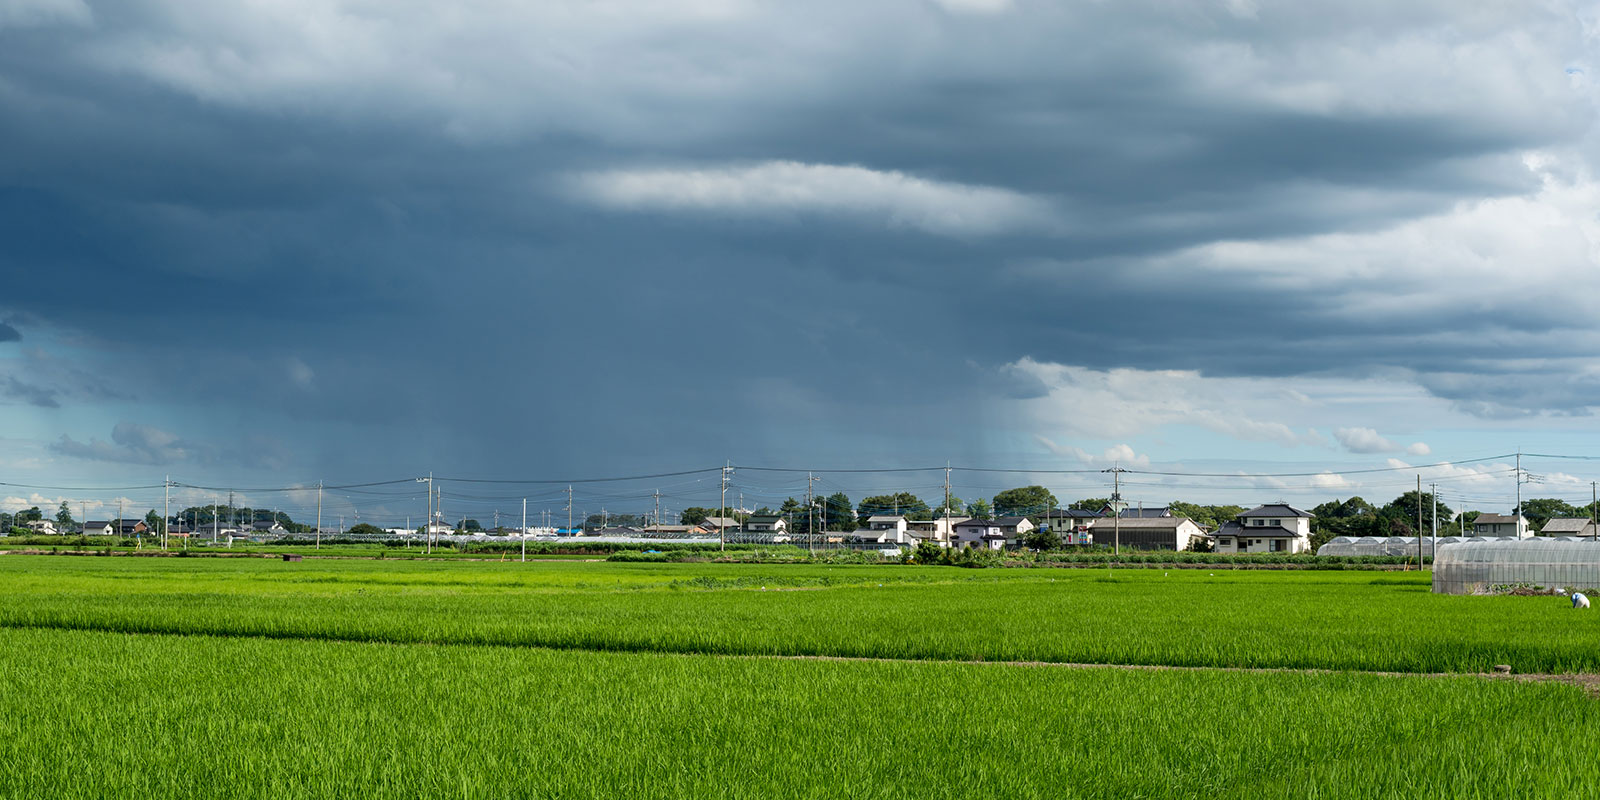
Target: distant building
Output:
[
  {"x": 1071, "y": 525},
  {"x": 1150, "y": 533},
  {"x": 715, "y": 524},
  {"x": 1568, "y": 526},
  {"x": 887, "y": 528},
  {"x": 1138, "y": 514},
  {"x": 97, "y": 528},
  {"x": 1014, "y": 526},
  {"x": 45, "y": 526},
  {"x": 128, "y": 527},
  {"x": 986, "y": 533},
  {"x": 1501, "y": 525},
  {"x": 938, "y": 531},
  {"x": 1275, "y": 528},
  {"x": 766, "y": 523}
]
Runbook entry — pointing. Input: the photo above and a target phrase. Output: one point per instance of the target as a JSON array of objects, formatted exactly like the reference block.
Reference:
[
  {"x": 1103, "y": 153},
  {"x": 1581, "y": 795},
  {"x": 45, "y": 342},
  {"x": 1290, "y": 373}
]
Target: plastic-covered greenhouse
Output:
[
  {"x": 1390, "y": 545},
  {"x": 1477, "y": 566}
]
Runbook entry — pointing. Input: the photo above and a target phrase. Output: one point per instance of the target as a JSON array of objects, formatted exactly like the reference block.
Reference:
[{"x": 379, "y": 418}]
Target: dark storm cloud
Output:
[
  {"x": 213, "y": 196},
  {"x": 31, "y": 394}
]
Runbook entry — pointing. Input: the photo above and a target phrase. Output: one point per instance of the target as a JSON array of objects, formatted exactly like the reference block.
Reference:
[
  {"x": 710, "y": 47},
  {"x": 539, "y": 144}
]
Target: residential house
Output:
[
  {"x": 937, "y": 531},
  {"x": 268, "y": 526},
  {"x": 716, "y": 524},
  {"x": 128, "y": 527},
  {"x": 45, "y": 526},
  {"x": 1501, "y": 525},
  {"x": 1072, "y": 525},
  {"x": 1139, "y": 512},
  {"x": 1569, "y": 526},
  {"x": 1276, "y": 528},
  {"x": 888, "y": 528},
  {"x": 97, "y": 528},
  {"x": 1013, "y": 527},
  {"x": 989, "y": 533},
  {"x": 674, "y": 530},
  {"x": 766, "y": 523},
  {"x": 1149, "y": 533}
]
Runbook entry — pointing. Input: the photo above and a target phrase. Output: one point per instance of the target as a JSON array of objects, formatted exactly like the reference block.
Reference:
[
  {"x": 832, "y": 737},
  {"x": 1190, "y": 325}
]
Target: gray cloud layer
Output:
[{"x": 784, "y": 220}]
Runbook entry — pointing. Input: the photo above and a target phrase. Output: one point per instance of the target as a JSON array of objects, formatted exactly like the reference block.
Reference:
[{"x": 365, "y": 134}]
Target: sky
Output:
[{"x": 1260, "y": 246}]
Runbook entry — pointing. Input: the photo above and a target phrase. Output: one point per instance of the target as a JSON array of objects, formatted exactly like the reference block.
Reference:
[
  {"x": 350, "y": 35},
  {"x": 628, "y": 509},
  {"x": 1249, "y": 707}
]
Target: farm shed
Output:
[{"x": 1477, "y": 566}]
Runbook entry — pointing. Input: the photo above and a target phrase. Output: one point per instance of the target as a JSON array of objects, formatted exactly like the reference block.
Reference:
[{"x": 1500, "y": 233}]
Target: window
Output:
[
  {"x": 1277, "y": 545},
  {"x": 1260, "y": 522}
]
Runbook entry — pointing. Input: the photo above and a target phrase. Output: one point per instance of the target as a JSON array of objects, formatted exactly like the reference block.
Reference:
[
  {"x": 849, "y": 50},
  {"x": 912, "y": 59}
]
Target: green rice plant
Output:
[
  {"x": 1197, "y": 618},
  {"x": 93, "y": 715}
]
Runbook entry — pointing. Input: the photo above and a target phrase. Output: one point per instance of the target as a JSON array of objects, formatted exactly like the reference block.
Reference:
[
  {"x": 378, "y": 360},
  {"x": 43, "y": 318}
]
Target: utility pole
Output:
[
  {"x": 319, "y": 515},
  {"x": 166, "y": 508},
  {"x": 569, "y": 509},
  {"x": 213, "y": 523},
  {"x": 524, "y": 532},
  {"x": 1516, "y": 522},
  {"x": 947, "y": 512},
  {"x": 1594, "y": 500},
  {"x": 658, "y": 512},
  {"x": 1116, "y": 505},
  {"x": 722, "y": 510},
  {"x": 427, "y": 524},
  {"x": 811, "y": 514},
  {"x": 1434, "y": 488},
  {"x": 1419, "y": 521}
]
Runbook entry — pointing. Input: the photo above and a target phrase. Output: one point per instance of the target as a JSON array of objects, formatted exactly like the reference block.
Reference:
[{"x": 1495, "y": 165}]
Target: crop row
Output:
[
  {"x": 157, "y": 716},
  {"x": 1335, "y": 620}
]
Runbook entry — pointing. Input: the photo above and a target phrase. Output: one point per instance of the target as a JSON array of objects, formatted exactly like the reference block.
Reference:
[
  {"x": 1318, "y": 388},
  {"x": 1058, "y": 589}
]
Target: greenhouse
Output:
[
  {"x": 1478, "y": 566},
  {"x": 1390, "y": 545}
]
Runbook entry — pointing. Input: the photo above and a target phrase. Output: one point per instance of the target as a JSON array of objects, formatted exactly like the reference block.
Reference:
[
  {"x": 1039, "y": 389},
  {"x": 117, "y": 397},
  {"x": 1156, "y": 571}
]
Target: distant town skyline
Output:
[{"x": 265, "y": 245}]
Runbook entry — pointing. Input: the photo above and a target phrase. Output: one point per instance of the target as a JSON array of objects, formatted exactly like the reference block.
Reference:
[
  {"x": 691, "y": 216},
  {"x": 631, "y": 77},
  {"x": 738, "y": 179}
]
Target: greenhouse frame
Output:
[
  {"x": 1479, "y": 566},
  {"x": 1392, "y": 545}
]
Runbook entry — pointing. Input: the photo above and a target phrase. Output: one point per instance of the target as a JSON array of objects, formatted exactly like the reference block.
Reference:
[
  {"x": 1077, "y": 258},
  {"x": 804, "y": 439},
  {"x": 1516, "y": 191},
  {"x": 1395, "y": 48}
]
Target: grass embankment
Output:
[
  {"x": 1324, "y": 620},
  {"x": 104, "y": 715}
]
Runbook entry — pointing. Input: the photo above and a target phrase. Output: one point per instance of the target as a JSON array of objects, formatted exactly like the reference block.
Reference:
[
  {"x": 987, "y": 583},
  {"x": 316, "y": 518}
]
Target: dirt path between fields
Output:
[{"x": 1589, "y": 682}]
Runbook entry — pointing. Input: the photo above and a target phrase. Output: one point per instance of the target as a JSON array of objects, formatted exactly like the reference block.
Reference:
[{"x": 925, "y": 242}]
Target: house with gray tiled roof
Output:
[{"x": 1273, "y": 528}]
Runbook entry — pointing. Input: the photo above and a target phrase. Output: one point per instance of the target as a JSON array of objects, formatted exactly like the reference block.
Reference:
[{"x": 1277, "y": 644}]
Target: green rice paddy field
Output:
[{"x": 229, "y": 678}]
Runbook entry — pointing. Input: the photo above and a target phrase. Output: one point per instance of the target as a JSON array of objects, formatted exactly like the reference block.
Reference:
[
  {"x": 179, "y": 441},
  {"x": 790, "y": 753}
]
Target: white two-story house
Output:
[{"x": 1277, "y": 528}]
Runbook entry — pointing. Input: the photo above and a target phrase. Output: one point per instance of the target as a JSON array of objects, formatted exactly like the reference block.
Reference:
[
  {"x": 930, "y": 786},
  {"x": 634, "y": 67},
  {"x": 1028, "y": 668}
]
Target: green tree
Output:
[
  {"x": 1207, "y": 516},
  {"x": 1024, "y": 501},
  {"x": 838, "y": 513},
  {"x": 1040, "y": 540},
  {"x": 1540, "y": 510},
  {"x": 979, "y": 509},
  {"x": 694, "y": 515},
  {"x": 364, "y": 528},
  {"x": 1090, "y": 503},
  {"x": 29, "y": 515},
  {"x": 154, "y": 523},
  {"x": 898, "y": 503},
  {"x": 956, "y": 509},
  {"x": 64, "y": 519},
  {"x": 1404, "y": 509},
  {"x": 474, "y": 525}
]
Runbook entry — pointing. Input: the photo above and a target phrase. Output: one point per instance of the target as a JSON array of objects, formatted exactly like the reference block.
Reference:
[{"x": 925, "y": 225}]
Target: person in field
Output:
[{"x": 1579, "y": 600}]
